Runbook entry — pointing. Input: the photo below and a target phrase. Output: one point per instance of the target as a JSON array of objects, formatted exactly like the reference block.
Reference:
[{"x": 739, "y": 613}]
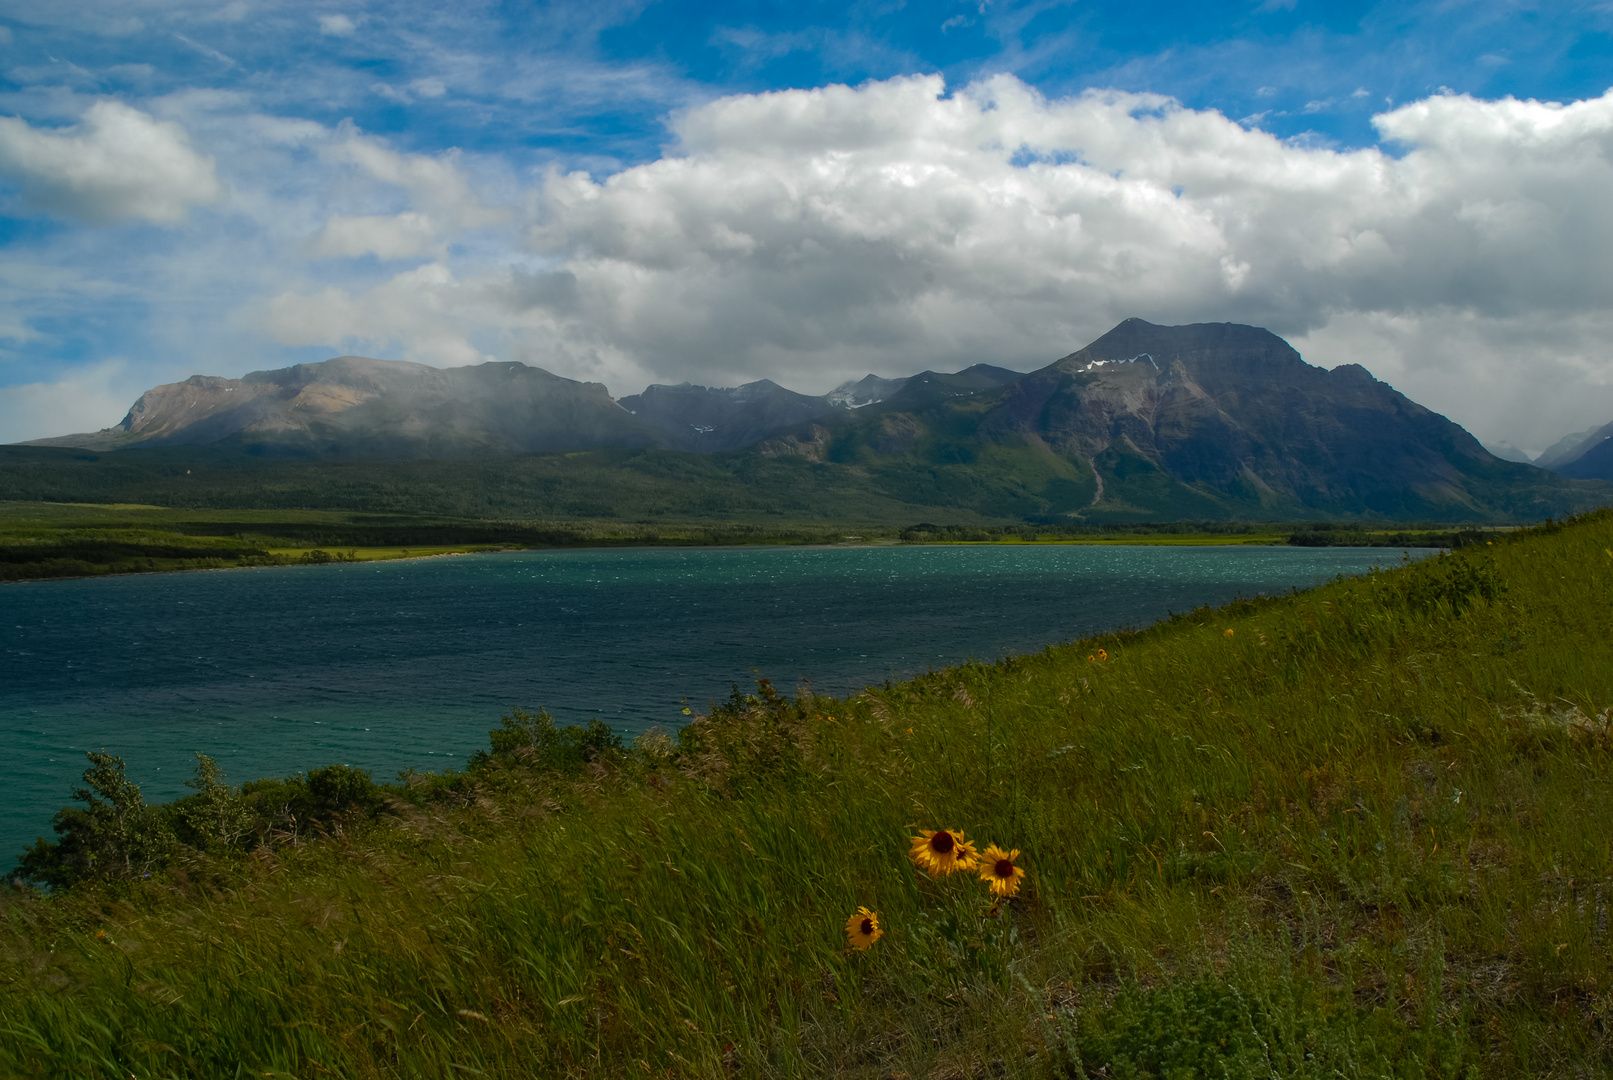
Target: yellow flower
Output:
[
  {"x": 998, "y": 870},
  {"x": 942, "y": 851},
  {"x": 1102, "y": 656},
  {"x": 862, "y": 929},
  {"x": 1229, "y": 633}
]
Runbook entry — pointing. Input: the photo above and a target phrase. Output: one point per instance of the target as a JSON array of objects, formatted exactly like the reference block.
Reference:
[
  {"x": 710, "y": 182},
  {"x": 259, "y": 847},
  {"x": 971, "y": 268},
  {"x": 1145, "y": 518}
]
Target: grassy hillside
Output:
[
  {"x": 1360, "y": 831},
  {"x": 886, "y": 470},
  {"x": 955, "y": 453},
  {"x": 624, "y": 485}
]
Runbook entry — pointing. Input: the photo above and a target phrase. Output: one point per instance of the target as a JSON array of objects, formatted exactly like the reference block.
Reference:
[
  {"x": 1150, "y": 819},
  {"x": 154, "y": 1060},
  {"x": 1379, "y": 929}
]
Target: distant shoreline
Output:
[
  {"x": 289, "y": 561},
  {"x": 55, "y": 541}
]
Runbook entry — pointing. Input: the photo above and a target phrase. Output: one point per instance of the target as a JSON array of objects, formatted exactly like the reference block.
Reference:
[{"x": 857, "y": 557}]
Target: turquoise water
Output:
[{"x": 408, "y": 664}]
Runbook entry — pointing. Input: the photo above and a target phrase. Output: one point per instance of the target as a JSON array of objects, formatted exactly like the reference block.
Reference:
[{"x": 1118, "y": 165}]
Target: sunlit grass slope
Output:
[{"x": 1362, "y": 831}]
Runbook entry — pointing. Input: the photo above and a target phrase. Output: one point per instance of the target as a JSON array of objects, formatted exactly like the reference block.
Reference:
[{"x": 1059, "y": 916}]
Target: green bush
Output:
[
  {"x": 115, "y": 836},
  {"x": 535, "y": 741}
]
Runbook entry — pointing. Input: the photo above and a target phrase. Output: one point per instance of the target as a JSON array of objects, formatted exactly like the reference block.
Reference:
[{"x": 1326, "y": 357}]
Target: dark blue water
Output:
[{"x": 408, "y": 664}]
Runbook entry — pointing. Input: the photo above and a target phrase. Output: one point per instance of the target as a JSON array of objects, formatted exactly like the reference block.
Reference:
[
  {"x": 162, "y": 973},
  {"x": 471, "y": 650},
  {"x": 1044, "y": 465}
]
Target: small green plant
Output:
[{"x": 216, "y": 818}]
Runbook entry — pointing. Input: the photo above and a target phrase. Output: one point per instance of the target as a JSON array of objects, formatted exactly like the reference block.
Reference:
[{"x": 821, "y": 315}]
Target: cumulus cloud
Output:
[
  {"x": 813, "y": 235},
  {"x": 443, "y": 202},
  {"x": 117, "y": 163}
]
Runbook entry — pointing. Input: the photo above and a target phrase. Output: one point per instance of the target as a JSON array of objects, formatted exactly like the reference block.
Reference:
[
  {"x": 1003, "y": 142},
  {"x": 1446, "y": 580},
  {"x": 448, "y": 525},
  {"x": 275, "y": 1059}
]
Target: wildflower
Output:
[
  {"x": 1229, "y": 632},
  {"x": 997, "y": 869},
  {"x": 942, "y": 851},
  {"x": 1102, "y": 656},
  {"x": 862, "y": 929}
]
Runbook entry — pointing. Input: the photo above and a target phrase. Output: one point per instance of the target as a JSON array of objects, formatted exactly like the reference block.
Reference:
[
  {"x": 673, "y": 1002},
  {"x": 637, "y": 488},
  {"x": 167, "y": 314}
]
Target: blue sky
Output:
[{"x": 201, "y": 187}]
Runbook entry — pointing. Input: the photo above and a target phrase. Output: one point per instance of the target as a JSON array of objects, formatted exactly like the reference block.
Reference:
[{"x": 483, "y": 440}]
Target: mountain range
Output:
[
  {"x": 360, "y": 407},
  {"x": 1207, "y": 421}
]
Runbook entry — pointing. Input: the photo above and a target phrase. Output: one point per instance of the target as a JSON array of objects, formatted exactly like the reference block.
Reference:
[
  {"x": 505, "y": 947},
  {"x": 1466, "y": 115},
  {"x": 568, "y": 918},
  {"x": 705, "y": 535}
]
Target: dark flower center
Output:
[
  {"x": 868, "y": 927},
  {"x": 1004, "y": 868},
  {"x": 941, "y": 843}
]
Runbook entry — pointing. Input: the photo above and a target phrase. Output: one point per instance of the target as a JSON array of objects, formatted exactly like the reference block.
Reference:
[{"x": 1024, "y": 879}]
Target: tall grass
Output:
[{"x": 1360, "y": 831}]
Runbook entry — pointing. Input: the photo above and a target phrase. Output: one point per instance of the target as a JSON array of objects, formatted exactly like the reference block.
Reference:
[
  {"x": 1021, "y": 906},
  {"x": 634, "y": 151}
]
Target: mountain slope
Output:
[
  {"x": 355, "y": 406},
  {"x": 1566, "y": 449},
  {"x": 1585, "y": 455},
  {"x": 1206, "y": 421},
  {"x": 708, "y": 419}
]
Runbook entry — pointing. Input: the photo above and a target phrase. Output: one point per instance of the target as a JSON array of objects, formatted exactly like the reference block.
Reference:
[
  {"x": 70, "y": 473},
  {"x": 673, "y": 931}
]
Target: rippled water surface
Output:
[{"x": 392, "y": 665}]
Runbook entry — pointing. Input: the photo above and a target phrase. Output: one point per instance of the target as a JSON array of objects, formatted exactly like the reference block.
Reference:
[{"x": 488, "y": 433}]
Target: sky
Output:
[{"x": 637, "y": 192}]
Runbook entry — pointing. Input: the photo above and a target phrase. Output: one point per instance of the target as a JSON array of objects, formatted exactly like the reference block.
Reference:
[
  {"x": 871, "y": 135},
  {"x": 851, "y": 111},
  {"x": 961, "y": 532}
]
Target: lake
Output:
[{"x": 388, "y": 666}]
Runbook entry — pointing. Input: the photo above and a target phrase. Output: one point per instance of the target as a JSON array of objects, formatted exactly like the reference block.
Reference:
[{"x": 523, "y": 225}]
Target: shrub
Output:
[
  {"x": 535, "y": 741},
  {"x": 116, "y": 836}
]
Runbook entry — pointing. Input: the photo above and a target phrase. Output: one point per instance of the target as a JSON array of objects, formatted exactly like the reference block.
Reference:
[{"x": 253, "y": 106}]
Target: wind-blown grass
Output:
[{"x": 1360, "y": 831}]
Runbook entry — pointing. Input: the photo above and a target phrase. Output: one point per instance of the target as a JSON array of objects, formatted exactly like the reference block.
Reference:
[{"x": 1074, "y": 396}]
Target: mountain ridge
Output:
[
  {"x": 358, "y": 406},
  {"x": 1207, "y": 421}
]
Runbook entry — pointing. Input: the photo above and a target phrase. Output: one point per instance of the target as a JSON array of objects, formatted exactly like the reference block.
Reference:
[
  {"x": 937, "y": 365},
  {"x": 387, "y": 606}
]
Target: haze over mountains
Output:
[
  {"x": 1207, "y": 421},
  {"x": 357, "y": 406},
  {"x": 1587, "y": 455}
]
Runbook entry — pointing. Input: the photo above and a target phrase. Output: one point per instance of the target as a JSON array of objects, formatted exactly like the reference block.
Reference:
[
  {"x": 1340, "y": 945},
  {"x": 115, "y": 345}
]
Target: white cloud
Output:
[
  {"x": 818, "y": 234},
  {"x": 80, "y": 402},
  {"x": 1527, "y": 380},
  {"x": 426, "y": 309},
  {"x": 396, "y": 236},
  {"x": 336, "y": 25},
  {"x": 434, "y": 183},
  {"x": 206, "y": 50},
  {"x": 118, "y": 163}
]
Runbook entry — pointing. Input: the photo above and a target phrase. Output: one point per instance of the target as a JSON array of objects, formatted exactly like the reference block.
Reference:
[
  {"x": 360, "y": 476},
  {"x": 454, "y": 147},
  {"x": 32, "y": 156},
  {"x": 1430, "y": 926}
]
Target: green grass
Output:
[
  {"x": 605, "y": 485},
  {"x": 55, "y": 540},
  {"x": 886, "y": 470},
  {"x": 1365, "y": 833},
  {"x": 48, "y": 540}
]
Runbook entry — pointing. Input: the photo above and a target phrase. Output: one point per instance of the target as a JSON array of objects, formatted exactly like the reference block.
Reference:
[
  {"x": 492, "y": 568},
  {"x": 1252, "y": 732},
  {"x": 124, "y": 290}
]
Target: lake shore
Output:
[
  {"x": 54, "y": 541},
  {"x": 1355, "y": 830}
]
